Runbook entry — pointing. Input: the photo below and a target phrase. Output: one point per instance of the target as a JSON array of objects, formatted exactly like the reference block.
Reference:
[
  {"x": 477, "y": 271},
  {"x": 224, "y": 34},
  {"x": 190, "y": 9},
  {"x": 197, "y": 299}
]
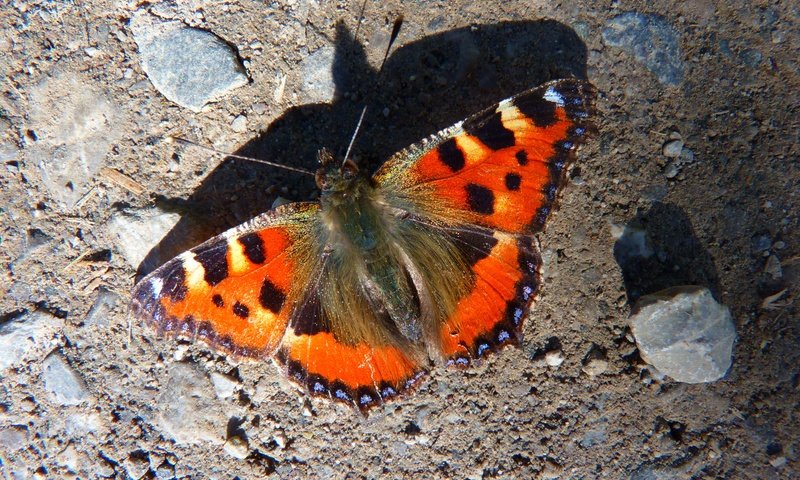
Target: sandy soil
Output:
[{"x": 137, "y": 406}]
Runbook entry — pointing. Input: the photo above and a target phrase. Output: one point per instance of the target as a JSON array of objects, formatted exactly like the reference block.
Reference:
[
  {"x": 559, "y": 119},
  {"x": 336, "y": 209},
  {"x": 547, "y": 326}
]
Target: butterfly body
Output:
[{"x": 432, "y": 258}]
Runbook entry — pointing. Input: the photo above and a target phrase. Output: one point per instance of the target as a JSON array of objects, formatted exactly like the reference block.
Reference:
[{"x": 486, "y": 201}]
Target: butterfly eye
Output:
[{"x": 349, "y": 169}]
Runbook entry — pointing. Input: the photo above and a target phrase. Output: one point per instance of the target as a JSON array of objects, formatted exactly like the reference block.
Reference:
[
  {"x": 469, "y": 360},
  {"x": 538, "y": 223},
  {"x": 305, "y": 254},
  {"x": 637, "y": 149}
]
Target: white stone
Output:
[
  {"x": 65, "y": 385},
  {"x": 239, "y": 124},
  {"x": 684, "y": 333},
  {"x": 28, "y": 336},
  {"x": 237, "y": 447},
  {"x": 188, "y": 410},
  {"x": 223, "y": 384},
  {"x": 553, "y": 358},
  {"x": 596, "y": 366},
  {"x": 135, "y": 233}
]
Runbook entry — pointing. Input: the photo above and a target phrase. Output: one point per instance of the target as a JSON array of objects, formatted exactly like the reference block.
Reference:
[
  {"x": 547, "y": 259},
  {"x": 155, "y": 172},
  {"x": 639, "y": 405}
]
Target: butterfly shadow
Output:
[
  {"x": 659, "y": 249},
  {"x": 425, "y": 86}
]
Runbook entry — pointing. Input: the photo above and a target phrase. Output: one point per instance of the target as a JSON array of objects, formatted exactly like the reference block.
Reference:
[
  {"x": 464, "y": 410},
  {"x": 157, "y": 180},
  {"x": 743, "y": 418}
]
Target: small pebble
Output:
[
  {"x": 673, "y": 148},
  {"x": 259, "y": 108},
  {"x": 239, "y": 124},
  {"x": 671, "y": 170},
  {"x": 553, "y": 358},
  {"x": 773, "y": 267},
  {"x": 224, "y": 385},
  {"x": 778, "y": 462},
  {"x": 596, "y": 366},
  {"x": 136, "y": 466},
  {"x": 237, "y": 447}
]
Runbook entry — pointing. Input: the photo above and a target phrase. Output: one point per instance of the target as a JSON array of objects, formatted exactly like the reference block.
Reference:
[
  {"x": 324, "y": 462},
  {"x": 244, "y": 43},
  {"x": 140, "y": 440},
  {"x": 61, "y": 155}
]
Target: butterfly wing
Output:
[
  {"x": 501, "y": 168},
  {"x": 234, "y": 291},
  {"x": 489, "y": 183}
]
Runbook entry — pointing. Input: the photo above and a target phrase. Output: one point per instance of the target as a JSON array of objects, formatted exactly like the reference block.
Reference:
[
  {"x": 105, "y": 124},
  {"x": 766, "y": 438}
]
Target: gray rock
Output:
[
  {"x": 81, "y": 424},
  {"x": 673, "y": 148},
  {"x": 773, "y": 267},
  {"x": 684, "y": 333},
  {"x": 101, "y": 309},
  {"x": 136, "y": 465},
  {"x": 28, "y": 336},
  {"x": 190, "y": 67},
  {"x": 594, "y": 437},
  {"x": 237, "y": 447},
  {"x": 137, "y": 231},
  {"x": 224, "y": 385},
  {"x": 760, "y": 242},
  {"x": 631, "y": 242},
  {"x": 13, "y": 438},
  {"x": 317, "y": 68},
  {"x": 651, "y": 40},
  {"x": 187, "y": 392},
  {"x": 75, "y": 124},
  {"x": 239, "y": 124},
  {"x": 65, "y": 385}
]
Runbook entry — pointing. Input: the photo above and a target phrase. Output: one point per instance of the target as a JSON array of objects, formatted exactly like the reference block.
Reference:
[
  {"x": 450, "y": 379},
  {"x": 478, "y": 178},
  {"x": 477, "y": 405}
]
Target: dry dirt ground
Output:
[{"x": 89, "y": 394}]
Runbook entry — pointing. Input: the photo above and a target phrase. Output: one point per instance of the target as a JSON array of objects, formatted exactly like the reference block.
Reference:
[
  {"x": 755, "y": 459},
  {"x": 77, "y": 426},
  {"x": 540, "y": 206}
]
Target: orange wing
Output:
[
  {"x": 492, "y": 180},
  {"x": 234, "y": 291},
  {"x": 501, "y": 168}
]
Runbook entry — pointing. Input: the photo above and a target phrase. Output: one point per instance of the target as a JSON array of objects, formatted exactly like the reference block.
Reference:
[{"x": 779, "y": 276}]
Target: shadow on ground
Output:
[{"x": 660, "y": 250}]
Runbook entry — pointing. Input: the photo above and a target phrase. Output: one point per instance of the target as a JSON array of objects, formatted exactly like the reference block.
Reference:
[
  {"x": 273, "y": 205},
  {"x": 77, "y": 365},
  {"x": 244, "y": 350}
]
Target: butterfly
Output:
[{"x": 432, "y": 259}]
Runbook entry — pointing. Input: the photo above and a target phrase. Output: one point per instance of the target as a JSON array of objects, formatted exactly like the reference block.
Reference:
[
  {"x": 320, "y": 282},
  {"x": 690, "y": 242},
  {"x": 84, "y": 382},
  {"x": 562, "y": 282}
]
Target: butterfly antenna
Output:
[
  {"x": 184, "y": 141},
  {"x": 395, "y": 32},
  {"x": 360, "y": 17}
]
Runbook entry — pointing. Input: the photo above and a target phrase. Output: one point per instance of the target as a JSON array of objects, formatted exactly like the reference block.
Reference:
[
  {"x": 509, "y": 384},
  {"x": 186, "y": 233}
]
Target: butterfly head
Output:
[{"x": 334, "y": 178}]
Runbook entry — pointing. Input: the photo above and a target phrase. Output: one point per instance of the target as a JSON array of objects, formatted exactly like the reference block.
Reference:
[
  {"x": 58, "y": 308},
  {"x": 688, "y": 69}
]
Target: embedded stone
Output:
[{"x": 685, "y": 333}]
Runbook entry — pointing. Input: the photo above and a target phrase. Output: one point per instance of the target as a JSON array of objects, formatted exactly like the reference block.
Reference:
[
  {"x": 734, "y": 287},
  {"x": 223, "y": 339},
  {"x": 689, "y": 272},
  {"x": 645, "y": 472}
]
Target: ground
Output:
[{"x": 87, "y": 393}]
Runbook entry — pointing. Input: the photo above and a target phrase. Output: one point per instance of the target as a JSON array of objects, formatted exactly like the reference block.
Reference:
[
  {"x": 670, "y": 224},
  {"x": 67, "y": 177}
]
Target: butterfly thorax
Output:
[{"x": 364, "y": 247}]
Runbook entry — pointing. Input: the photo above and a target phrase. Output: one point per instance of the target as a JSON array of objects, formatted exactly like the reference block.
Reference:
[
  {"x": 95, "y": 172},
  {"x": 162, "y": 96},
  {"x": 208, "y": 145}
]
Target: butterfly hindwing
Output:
[
  {"x": 364, "y": 365},
  {"x": 234, "y": 291},
  {"x": 490, "y": 315}
]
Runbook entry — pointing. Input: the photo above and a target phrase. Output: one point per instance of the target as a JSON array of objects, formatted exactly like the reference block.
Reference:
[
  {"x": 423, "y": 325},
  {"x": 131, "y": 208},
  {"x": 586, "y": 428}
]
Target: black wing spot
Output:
[
  {"x": 241, "y": 310},
  {"x": 480, "y": 199},
  {"x": 271, "y": 297},
  {"x": 217, "y": 300},
  {"x": 492, "y": 132},
  {"x": 253, "y": 247},
  {"x": 451, "y": 155},
  {"x": 513, "y": 181},
  {"x": 214, "y": 259},
  {"x": 522, "y": 158},
  {"x": 538, "y": 109}
]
